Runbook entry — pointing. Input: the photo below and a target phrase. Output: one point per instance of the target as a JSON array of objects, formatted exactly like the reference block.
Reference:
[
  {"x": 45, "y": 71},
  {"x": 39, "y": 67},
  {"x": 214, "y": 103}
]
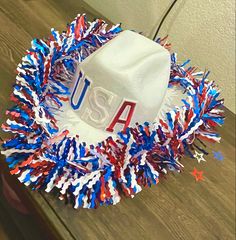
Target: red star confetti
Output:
[{"x": 197, "y": 174}]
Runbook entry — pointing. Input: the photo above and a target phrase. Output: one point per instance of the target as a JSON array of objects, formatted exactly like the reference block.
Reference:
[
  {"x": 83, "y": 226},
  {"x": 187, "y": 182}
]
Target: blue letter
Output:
[{"x": 83, "y": 92}]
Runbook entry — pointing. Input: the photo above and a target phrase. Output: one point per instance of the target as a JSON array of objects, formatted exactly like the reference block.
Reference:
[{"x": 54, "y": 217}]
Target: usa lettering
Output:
[{"x": 100, "y": 107}]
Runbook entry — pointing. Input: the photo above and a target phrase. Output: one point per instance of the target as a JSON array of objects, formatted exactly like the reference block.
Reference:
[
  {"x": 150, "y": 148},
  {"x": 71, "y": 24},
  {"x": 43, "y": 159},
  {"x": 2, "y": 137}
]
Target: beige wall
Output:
[{"x": 203, "y": 30}]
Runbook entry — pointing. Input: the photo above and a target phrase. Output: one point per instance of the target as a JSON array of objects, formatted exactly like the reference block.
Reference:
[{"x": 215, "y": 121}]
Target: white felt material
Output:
[{"x": 129, "y": 67}]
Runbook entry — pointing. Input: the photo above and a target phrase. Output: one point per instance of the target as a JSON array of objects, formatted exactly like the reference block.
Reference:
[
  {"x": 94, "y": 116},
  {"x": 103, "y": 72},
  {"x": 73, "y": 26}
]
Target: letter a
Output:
[
  {"x": 83, "y": 92},
  {"x": 126, "y": 121}
]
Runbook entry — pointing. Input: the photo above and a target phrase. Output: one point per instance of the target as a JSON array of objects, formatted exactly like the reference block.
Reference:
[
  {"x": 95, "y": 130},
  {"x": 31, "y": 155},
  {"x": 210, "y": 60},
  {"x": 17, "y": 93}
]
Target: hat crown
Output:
[{"x": 124, "y": 80}]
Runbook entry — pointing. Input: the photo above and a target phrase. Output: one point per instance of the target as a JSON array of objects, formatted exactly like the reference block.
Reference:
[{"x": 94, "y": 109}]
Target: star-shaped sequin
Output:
[
  {"x": 197, "y": 174},
  {"x": 218, "y": 156},
  {"x": 199, "y": 157}
]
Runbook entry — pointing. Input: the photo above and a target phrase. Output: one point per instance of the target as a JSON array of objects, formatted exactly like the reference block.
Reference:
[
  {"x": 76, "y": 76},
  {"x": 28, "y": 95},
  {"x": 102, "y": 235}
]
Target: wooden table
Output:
[{"x": 177, "y": 208}]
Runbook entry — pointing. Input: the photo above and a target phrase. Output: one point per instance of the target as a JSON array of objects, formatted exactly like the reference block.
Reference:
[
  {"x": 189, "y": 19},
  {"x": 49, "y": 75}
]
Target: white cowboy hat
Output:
[{"x": 87, "y": 116}]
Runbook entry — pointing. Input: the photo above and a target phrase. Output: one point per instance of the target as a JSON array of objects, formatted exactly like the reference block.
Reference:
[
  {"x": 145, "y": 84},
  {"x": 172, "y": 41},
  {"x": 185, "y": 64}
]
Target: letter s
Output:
[{"x": 100, "y": 101}]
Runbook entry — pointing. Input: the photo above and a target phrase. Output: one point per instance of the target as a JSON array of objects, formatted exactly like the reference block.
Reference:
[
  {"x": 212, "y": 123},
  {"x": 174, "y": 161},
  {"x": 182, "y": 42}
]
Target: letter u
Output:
[{"x": 80, "y": 98}]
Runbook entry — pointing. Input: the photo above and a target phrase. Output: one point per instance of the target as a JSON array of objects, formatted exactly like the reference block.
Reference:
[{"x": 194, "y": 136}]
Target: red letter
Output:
[{"x": 126, "y": 121}]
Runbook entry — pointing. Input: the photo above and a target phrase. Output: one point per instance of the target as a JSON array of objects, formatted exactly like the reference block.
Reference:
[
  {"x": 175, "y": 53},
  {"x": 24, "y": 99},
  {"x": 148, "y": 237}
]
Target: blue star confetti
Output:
[{"x": 218, "y": 156}]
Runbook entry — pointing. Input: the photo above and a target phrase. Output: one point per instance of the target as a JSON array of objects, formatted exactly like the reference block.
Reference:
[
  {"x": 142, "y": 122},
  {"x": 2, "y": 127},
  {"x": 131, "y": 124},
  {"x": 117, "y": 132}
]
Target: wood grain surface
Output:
[{"x": 177, "y": 208}]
